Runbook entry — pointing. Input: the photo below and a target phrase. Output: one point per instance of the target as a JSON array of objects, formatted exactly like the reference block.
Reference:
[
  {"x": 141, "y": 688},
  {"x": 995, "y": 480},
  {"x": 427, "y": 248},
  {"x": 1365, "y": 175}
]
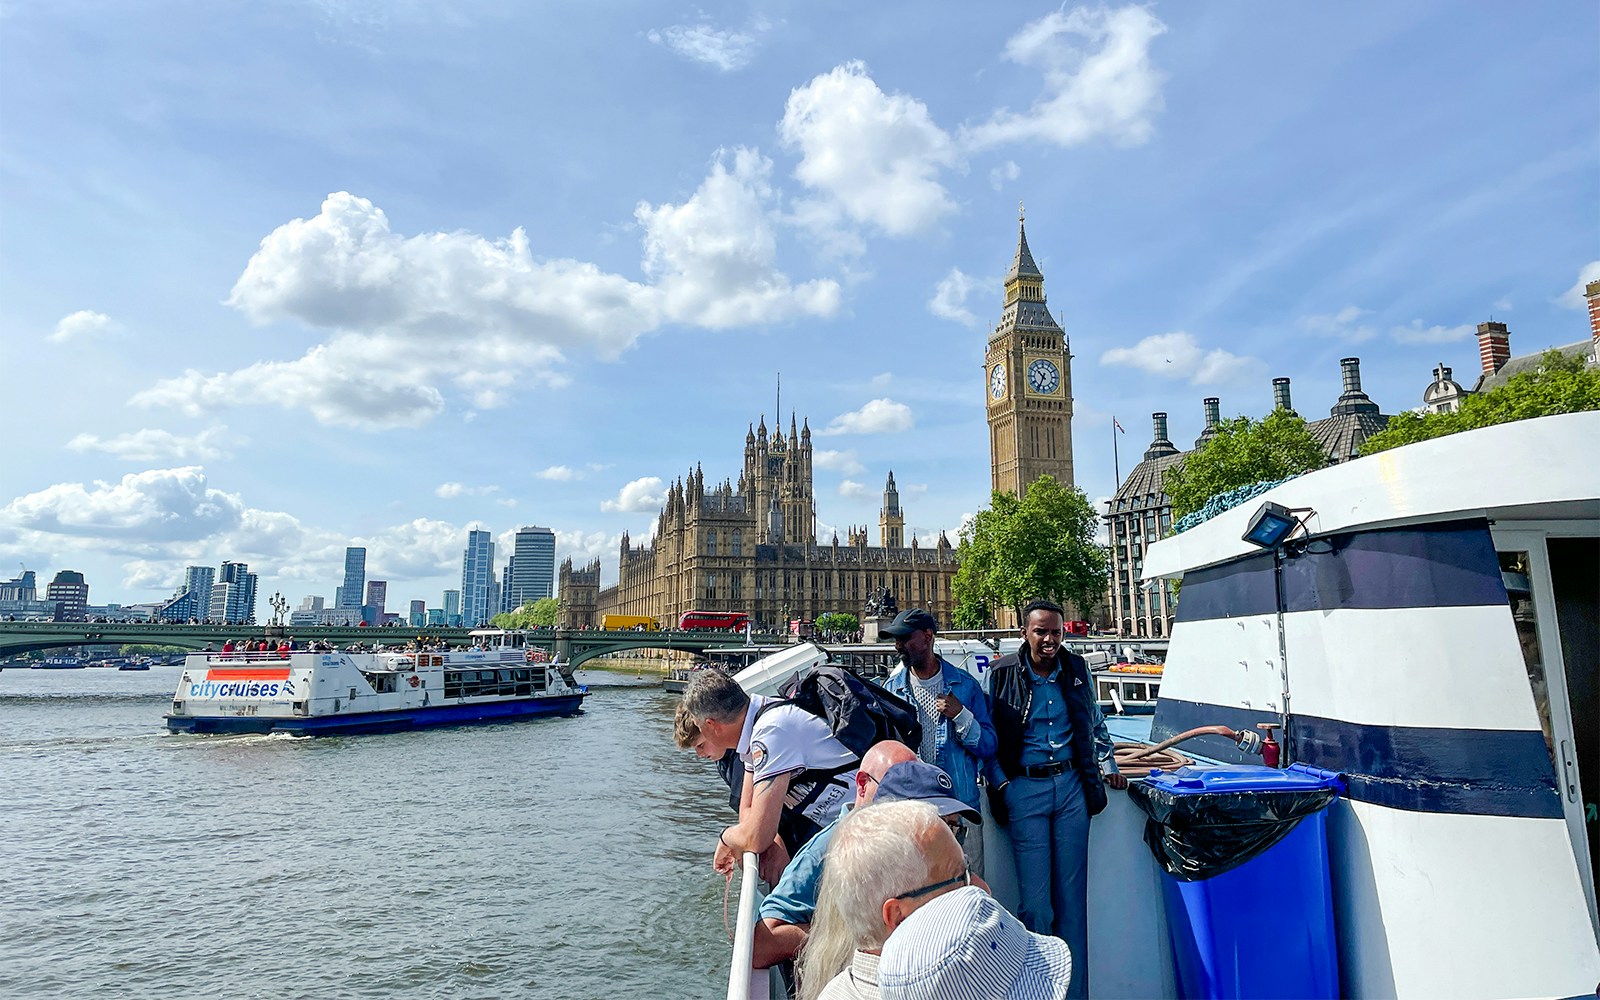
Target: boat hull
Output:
[{"x": 429, "y": 717}]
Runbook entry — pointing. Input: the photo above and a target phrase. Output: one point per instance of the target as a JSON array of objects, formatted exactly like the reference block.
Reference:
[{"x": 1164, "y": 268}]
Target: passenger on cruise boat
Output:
[
  {"x": 965, "y": 944},
  {"x": 792, "y": 761},
  {"x": 1051, "y": 734},
  {"x": 957, "y": 732},
  {"x": 886, "y": 861},
  {"x": 785, "y": 914}
]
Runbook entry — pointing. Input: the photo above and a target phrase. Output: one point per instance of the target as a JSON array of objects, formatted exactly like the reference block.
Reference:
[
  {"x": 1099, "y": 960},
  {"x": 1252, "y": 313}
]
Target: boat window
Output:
[
  {"x": 1577, "y": 595},
  {"x": 1516, "y": 574}
]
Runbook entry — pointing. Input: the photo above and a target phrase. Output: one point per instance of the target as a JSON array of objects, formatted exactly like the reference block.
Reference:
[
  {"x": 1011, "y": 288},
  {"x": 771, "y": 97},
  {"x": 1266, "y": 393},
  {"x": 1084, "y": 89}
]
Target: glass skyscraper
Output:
[
  {"x": 355, "y": 577},
  {"x": 534, "y": 568},
  {"x": 477, "y": 579}
]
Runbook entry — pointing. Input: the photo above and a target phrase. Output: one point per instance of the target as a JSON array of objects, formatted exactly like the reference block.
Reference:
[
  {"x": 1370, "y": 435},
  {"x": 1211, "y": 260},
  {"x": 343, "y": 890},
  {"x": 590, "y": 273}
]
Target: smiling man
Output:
[{"x": 1052, "y": 739}]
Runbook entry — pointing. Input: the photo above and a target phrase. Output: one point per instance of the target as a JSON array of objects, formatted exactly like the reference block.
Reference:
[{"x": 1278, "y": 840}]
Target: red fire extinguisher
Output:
[{"x": 1271, "y": 752}]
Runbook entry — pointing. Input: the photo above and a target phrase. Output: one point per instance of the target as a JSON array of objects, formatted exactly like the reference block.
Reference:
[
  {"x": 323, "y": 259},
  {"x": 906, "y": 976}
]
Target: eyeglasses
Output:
[{"x": 964, "y": 878}]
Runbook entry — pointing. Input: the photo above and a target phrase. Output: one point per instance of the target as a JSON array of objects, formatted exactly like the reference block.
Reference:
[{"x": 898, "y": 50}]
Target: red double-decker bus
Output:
[{"x": 720, "y": 621}]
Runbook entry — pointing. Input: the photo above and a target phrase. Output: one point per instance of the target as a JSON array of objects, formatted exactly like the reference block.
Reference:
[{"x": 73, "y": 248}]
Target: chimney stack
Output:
[
  {"x": 1161, "y": 446},
  {"x": 1494, "y": 346},
  {"x": 1280, "y": 395},
  {"x": 1352, "y": 375},
  {"x": 1213, "y": 418},
  {"x": 1591, "y": 291}
]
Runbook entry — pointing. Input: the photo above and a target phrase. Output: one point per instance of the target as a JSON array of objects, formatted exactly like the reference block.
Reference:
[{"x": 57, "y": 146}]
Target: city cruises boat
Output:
[
  {"x": 61, "y": 663},
  {"x": 310, "y": 692},
  {"x": 1428, "y": 630}
]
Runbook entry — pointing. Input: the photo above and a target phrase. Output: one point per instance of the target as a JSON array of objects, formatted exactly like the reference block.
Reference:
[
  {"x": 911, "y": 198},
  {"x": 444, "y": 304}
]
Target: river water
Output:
[{"x": 561, "y": 858}]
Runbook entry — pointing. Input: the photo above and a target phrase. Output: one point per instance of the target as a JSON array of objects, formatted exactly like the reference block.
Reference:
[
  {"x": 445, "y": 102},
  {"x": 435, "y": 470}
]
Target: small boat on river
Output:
[{"x": 314, "y": 693}]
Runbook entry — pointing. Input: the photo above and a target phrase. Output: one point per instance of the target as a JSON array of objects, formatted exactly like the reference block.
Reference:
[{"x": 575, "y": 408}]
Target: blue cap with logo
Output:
[{"x": 919, "y": 781}]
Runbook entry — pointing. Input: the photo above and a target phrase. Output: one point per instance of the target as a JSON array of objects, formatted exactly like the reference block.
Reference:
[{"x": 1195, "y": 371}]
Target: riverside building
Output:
[
  {"x": 753, "y": 547},
  {"x": 1140, "y": 513}
]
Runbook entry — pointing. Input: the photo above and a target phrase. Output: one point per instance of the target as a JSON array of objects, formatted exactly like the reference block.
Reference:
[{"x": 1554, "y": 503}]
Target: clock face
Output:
[
  {"x": 997, "y": 381},
  {"x": 1043, "y": 377}
]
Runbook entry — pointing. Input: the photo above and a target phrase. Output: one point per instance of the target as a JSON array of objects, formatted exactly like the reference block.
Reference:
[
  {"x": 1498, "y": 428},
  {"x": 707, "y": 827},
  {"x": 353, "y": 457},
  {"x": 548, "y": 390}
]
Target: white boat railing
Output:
[{"x": 743, "y": 983}]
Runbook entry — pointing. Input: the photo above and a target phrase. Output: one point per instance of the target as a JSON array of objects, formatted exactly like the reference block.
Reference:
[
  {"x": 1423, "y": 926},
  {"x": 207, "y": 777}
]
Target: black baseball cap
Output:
[{"x": 909, "y": 621}]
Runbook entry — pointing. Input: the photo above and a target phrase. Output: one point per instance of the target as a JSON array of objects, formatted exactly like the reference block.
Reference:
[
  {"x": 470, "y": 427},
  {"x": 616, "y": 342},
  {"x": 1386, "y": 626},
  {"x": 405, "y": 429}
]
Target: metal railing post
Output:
[{"x": 744, "y": 937}]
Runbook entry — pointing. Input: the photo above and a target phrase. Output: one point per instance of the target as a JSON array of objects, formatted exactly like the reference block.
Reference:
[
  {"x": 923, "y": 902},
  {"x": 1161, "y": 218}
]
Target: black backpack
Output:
[{"x": 859, "y": 712}]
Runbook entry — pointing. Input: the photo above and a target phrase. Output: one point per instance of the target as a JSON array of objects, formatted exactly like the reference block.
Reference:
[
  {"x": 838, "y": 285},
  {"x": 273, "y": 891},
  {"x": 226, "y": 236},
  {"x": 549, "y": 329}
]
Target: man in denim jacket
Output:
[{"x": 957, "y": 730}]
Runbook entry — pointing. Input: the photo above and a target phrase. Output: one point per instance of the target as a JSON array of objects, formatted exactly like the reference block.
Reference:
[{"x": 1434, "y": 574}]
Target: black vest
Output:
[{"x": 1011, "y": 697}]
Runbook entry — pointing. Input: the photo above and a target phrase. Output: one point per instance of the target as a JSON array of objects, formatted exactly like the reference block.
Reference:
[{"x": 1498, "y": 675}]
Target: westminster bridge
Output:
[{"x": 574, "y": 646}]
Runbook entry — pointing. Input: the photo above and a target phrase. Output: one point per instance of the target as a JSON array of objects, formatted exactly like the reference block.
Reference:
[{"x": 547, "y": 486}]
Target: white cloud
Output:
[
  {"x": 152, "y": 445},
  {"x": 450, "y": 491},
  {"x": 412, "y": 318},
  {"x": 950, "y": 299},
  {"x": 1343, "y": 326},
  {"x": 1573, "y": 298},
  {"x": 882, "y": 380},
  {"x": 1099, "y": 81},
  {"x": 83, "y": 323},
  {"x": 640, "y": 495},
  {"x": 725, "y": 49},
  {"x": 844, "y": 462},
  {"x": 914, "y": 489},
  {"x": 711, "y": 258},
  {"x": 157, "y": 505},
  {"x": 1179, "y": 355},
  {"x": 1004, "y": 174},
  {"x": 873, "y": 157},
  {"x": 853, "y": 489},
  {"x": 880, "y": 416},
  {"x": 559, "y": 474},
  {"x": 1416, "y": 333},
  {"x": 1503, "y": 303}
]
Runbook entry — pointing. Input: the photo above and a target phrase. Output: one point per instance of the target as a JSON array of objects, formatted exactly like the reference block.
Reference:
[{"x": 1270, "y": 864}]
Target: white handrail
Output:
[{"x": 744, "y": 936}]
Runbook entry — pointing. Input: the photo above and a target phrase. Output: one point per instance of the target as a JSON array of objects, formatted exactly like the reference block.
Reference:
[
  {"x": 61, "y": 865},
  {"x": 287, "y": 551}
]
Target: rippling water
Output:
[{"x": 549, "y": 858}]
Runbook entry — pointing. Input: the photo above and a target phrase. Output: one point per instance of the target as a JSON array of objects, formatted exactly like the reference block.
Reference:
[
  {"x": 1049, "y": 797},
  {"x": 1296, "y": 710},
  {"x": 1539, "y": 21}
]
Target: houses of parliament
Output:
[{"x": 752, "y": 545}]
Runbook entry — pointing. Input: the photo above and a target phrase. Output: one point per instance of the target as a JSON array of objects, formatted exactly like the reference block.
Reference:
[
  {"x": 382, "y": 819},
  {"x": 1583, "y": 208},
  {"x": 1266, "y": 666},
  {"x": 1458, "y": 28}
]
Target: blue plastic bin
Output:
[{"x": 1263, "y": 928}]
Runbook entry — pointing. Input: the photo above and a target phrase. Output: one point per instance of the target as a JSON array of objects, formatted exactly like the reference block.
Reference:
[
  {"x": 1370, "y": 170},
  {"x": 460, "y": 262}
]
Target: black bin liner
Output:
[{"x": 1200, "y": 835}]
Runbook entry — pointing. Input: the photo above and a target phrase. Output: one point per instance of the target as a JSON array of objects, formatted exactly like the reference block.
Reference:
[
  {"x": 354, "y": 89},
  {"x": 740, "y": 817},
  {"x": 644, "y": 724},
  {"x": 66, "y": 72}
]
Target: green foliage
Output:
[
  {"x": 534, "y": 614},
  {"x": 1560, "y": 384},
  {"x": 1244, "y": 451},
  {"x": 837, "y": 621},
  {"x": 148, "y": 649},
  {"x": 1018, "y": 550}
]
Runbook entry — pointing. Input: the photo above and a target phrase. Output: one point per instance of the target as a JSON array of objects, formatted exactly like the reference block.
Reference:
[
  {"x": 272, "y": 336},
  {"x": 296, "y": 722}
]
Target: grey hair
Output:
[
  {"x": 877, "y": 853},
  {"x": 712, "y": 694}
]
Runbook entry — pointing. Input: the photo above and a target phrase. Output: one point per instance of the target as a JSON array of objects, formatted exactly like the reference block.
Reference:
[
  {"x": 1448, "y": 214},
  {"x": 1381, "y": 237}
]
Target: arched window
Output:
[
  {"x": 711, "y": 543},
  {"x": 738, "y": 542}
]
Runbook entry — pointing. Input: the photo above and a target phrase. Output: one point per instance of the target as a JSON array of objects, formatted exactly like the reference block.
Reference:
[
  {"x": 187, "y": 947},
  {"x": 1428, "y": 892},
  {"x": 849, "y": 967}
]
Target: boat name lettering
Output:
[{"x": 241, "y": 689}]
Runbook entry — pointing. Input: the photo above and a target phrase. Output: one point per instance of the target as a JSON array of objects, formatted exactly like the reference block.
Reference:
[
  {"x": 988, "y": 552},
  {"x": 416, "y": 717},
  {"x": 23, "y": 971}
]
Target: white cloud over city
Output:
[
  {"x": 156, "y": 445},
  {"x": 843, "y": 462},
  {"x": 83, "y": 324},
  {"x": 724, "y": 49},
  {"x": 1573, "y": 298},
  {"x": 1180, "y": 355},
  {"x": 950, "y": 299},
  {"x": 1346, "y": 326},
  {"x": 1417, "y": 332},
  {"x": 643, "y": 495},
  {"x": 1100, "y": 81},
  {"x": 879, "y": 416}
]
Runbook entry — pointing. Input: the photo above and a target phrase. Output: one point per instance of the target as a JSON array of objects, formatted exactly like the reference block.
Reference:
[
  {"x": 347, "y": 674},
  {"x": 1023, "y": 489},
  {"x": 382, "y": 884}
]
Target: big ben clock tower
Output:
[{"x": 1028, "y": 384}]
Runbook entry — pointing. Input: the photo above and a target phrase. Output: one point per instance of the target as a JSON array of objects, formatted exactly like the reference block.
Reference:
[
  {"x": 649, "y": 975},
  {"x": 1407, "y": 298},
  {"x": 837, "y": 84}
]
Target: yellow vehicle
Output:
[{"x": 624, "y": 623}]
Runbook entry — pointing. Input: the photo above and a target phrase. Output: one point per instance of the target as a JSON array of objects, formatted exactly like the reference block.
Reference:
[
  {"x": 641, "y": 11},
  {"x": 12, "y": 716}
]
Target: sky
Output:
[{"x": 282, "y": 277}]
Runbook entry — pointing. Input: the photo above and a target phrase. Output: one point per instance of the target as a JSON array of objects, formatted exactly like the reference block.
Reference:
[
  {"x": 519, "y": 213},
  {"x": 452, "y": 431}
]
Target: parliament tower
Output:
[{"x": 1028, "y": 383}]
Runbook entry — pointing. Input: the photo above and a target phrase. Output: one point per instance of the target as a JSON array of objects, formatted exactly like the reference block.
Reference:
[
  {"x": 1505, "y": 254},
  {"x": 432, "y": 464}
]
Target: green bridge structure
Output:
[{"x": 574, "y": 646}]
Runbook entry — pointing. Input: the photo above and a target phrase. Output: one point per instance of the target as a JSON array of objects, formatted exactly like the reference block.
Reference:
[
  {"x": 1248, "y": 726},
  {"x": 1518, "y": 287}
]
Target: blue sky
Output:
[{"x": 277, "y": 278}]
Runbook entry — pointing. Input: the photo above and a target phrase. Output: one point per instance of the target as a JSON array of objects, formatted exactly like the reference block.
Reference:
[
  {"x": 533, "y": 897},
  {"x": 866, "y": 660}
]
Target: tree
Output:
[
  {"x": 1019, "y": 550},
  {"x": 837, "y": 623},
  {"x": 1244, "y": 451},
  {"x": 534, "y": 614},
  {"x": 1560, "y": 384}
]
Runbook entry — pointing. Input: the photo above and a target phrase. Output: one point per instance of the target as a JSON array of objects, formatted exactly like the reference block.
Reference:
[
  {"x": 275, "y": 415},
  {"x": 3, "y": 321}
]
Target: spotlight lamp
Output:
[{"x": 1272, "y": 524}]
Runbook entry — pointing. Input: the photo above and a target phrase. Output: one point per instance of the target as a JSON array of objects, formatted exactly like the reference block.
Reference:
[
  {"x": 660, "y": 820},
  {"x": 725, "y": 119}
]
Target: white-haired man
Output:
[{"x": 884, "y": 863}]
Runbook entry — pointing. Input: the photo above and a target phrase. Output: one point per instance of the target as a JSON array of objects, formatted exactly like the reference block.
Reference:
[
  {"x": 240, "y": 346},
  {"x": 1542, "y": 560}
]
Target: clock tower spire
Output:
[{"x": 1028, "y": 382}]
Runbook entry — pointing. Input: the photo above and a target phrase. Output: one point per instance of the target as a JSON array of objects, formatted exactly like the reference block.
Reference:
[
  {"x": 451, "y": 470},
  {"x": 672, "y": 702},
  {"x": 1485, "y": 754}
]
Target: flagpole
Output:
[{"x": 1116, "y": 463}]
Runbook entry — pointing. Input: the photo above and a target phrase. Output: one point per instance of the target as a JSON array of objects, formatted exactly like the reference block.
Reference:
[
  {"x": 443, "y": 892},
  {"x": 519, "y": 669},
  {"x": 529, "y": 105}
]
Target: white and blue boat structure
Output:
[
  {"x": 316, "y": 693},
  {"x": 1427, "y": 630}
]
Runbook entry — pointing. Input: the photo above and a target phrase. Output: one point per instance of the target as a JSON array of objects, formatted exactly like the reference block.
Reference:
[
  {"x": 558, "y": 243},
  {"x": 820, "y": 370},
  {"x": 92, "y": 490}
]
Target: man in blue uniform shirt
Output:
[
  {"x": 1052, "y": 738},
  {"x": 957, "y": 733}
]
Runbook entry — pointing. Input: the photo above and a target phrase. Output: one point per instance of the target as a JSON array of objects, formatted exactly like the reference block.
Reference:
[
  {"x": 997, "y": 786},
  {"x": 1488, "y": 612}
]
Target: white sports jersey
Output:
[{"x": 786, "y": 739}]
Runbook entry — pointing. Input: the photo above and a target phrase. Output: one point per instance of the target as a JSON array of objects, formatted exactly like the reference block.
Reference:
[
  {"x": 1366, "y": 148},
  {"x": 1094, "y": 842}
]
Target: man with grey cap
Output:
[
  {"x": 885, "y": 861},
  {"x": 957, "y": 732},
  {"x": 965, "y": 946}
]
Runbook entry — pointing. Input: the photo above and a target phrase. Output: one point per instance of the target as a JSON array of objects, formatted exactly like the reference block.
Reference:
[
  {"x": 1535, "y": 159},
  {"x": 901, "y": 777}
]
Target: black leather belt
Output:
[{"x": 1044, "y": 770}]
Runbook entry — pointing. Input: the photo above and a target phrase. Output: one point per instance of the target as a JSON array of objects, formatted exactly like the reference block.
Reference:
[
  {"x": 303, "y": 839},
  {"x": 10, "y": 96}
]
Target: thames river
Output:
[{"x": 561, "y": 858}]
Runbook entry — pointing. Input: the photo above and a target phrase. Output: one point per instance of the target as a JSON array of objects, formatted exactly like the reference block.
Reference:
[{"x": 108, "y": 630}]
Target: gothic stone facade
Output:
[{"x": 752, "y": 547}]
